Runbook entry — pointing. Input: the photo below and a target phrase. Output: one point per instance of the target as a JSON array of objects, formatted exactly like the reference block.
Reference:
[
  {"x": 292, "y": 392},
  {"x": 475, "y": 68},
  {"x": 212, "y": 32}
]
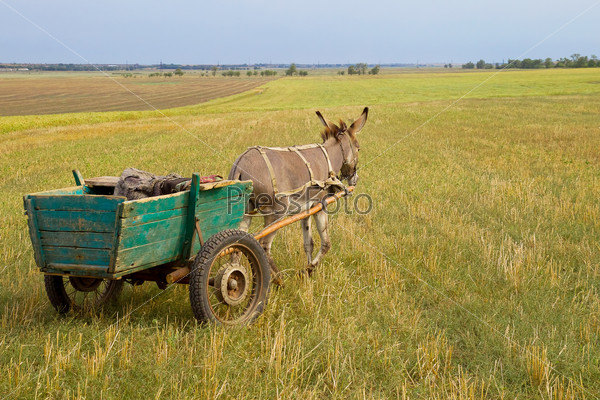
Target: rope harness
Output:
[{"x": 332, "y": 179}]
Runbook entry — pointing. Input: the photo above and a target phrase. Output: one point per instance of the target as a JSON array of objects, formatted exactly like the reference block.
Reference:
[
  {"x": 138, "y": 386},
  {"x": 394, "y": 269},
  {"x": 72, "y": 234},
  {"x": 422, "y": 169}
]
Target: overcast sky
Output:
[{"x": 302, "y": 31}]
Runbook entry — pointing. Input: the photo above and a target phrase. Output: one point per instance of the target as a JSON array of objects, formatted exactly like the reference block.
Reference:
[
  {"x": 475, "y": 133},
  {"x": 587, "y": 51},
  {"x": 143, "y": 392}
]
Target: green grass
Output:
[{"x": 475, "y": 276}]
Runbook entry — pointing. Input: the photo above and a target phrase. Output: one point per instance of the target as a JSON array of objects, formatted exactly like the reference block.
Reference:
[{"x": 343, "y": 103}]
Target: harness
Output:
[{"x": 332, "y": 179}]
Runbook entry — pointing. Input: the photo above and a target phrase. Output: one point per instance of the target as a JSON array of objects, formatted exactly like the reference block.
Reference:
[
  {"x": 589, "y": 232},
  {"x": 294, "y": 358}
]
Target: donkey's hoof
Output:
[
  {"x": 276, "y": 279},
  {"x": 303, "y": 274},
  {"x": 309, "y": 270}
]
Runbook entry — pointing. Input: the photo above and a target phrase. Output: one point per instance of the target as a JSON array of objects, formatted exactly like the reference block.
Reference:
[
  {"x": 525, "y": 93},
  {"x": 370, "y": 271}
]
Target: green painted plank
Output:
[
  {"x": 125, "y": 272},
  {"x": 165, "y": 251},
  {"x": 69, "y": 190},
  {"x": 116, "y": 239},
  {"x": 94, "y": 240},
  {"x": 156, "y": 231},
  {"x": 158, "y": 216},
  {"x": 212, "y": 222},
  {"x": 79, "y": 221},
  {"x": 225, "y": 192},
  {"x": 79, "y": 181},
  {"x": 190, "y": 220},
  {"x": 34, "y": 232},
  {"x": 233, "y": 205},
  {"x": 155, "y": 204},
  {"x": 76, "y": 255},
  {"x": 77, "y": 202}
]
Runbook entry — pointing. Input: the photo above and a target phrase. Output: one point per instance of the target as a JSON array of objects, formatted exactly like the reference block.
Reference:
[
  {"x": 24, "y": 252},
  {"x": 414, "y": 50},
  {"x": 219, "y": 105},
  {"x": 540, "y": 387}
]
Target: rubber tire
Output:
[
  {"x": 201, "y": 270},
  {"x": 62, "y": 303}
]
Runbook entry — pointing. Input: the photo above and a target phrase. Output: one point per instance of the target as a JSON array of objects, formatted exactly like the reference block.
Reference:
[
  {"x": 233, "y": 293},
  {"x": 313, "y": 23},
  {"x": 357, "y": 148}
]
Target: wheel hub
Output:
[
  {"x": 85, "y": 284},
  {"x": 231, "y": 284}
]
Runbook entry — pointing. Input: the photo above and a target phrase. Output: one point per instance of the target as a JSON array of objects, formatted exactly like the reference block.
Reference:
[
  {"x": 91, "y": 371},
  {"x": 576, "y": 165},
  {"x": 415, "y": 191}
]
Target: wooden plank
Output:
[
  {"x": 79, "y": 273},
  {"x": 89, "y": 268},
  {"x": 76, "y": 255},
  {"x": 34, "y": 232},
  {"x": 69, "y": 190},
  {"x": 78, "y": 203},
  {"x": 79, "y": 181},
  {"x": 93, "y": 240},
  {"x": 76, "y": 221},
  {"x": 149, "y": 254},
  {"x": 190, "y": 220},
  {"x": 146, "y": 266},
  {"x": 214, "y": 221},
  {"x": 114, "y": 251},
  {"x": 234, "y": 190},
  {"x": 159, "y": 216},
  {"x": 102, "y": 181},
  {"x": 133, "y": 236},
  {"x": 155, "y": 204}
]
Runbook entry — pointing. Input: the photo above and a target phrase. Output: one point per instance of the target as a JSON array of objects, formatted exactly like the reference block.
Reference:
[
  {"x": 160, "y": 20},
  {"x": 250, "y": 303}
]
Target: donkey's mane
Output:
[{"x": 332, "y": 131}]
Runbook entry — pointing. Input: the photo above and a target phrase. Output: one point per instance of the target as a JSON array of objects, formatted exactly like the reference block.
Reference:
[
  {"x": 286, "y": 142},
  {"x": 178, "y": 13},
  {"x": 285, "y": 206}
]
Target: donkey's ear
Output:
[
  {"x": 321, "y": 118},
  {"x": 326, "y": 123},
  {"x": 359, "y": 123}
]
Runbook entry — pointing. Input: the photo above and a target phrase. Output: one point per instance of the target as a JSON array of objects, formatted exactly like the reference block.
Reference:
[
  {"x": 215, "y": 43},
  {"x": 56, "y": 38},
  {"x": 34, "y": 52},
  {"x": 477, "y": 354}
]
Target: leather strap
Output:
[
  {"x": 270, "y": 168},
  {"x": 331, "y": 171}
]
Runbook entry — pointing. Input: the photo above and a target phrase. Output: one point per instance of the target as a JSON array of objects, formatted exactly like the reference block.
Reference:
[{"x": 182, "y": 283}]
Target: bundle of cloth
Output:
[{"x": 136, "y": 184}]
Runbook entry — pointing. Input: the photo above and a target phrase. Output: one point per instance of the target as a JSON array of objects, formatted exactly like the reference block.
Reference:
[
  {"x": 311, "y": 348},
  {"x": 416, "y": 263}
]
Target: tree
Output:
[
  {"x": 374, "y": 70},
  {"x": 351, "y": 70},
  {"x": 362, "y": 68},
  {"x": 341, "y": 72},
  {"x": 303, "y": 73},
  {"x": 179, "y": 72},
  {"x": 168, "y": 74},
  {"x": 291, "y": 70},
  {"x": 480, "y": 64},
  {"x": 548, "y": 63},
  {"x": 214, "y": 69},
  {"x": 468, "y": 65},
  {"x": 249, "y": 73}
]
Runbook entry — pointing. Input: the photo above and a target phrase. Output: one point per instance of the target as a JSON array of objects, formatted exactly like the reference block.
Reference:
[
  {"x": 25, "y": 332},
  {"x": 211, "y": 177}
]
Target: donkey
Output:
[{"x": 289, "y": 180}]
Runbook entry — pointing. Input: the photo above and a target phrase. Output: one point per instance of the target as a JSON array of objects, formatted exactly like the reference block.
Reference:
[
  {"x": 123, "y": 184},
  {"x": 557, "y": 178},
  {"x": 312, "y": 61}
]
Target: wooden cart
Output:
[{"x": 87, "y": 242}]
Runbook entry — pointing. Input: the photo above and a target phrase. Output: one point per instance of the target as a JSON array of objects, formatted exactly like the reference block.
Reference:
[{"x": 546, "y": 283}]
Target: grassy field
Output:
[
  {"x": 476, "y": 274},
  {"x": 53, "y": 93}
]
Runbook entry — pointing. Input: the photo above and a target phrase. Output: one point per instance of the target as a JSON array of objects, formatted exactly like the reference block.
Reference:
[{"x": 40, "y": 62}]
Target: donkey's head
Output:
[{"x": 348, "y": 142}]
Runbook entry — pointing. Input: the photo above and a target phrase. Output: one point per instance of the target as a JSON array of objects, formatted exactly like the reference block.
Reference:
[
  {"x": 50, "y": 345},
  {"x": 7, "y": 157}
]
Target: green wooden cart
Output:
[{"x": 87, "y": 242}]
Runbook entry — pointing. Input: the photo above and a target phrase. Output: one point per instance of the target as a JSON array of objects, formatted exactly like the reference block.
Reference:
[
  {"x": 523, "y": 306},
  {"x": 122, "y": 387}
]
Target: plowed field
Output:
[{"x": 65, "y": 94}]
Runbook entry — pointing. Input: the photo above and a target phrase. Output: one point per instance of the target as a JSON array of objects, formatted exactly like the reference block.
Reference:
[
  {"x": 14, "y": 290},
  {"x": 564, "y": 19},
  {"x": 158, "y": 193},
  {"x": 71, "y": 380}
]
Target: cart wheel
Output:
[
  {"x": 229, "y": 288},
  {"x": 75, "y": 293}
]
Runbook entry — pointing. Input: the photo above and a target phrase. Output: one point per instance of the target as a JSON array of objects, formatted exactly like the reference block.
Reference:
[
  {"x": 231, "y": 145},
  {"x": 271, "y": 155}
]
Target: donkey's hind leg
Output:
[
  {"x": 266, "y": 243},
  {"x": 321, "y": 222},
  {"x": 309, "y": 244}
]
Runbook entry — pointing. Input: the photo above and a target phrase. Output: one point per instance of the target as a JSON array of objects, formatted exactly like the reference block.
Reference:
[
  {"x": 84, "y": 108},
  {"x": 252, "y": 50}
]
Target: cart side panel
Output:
[
  {"x": 152, "y": 231},
  {"x": 221, "y": 208},
  {"x": 73, "y": 229}
]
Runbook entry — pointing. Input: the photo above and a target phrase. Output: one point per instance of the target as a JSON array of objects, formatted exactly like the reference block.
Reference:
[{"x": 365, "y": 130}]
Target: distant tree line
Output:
[
  {"x": 292, "y": 70},
  {"x": 575, "y": 61},
  {"x": 362, "y": 69},
  {"x": 231, "y": 73}
]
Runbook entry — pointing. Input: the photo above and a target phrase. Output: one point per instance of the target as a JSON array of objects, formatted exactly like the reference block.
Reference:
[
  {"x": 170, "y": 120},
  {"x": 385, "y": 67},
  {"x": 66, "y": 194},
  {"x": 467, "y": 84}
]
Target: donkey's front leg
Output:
[{"x": 321, "y": 222}]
